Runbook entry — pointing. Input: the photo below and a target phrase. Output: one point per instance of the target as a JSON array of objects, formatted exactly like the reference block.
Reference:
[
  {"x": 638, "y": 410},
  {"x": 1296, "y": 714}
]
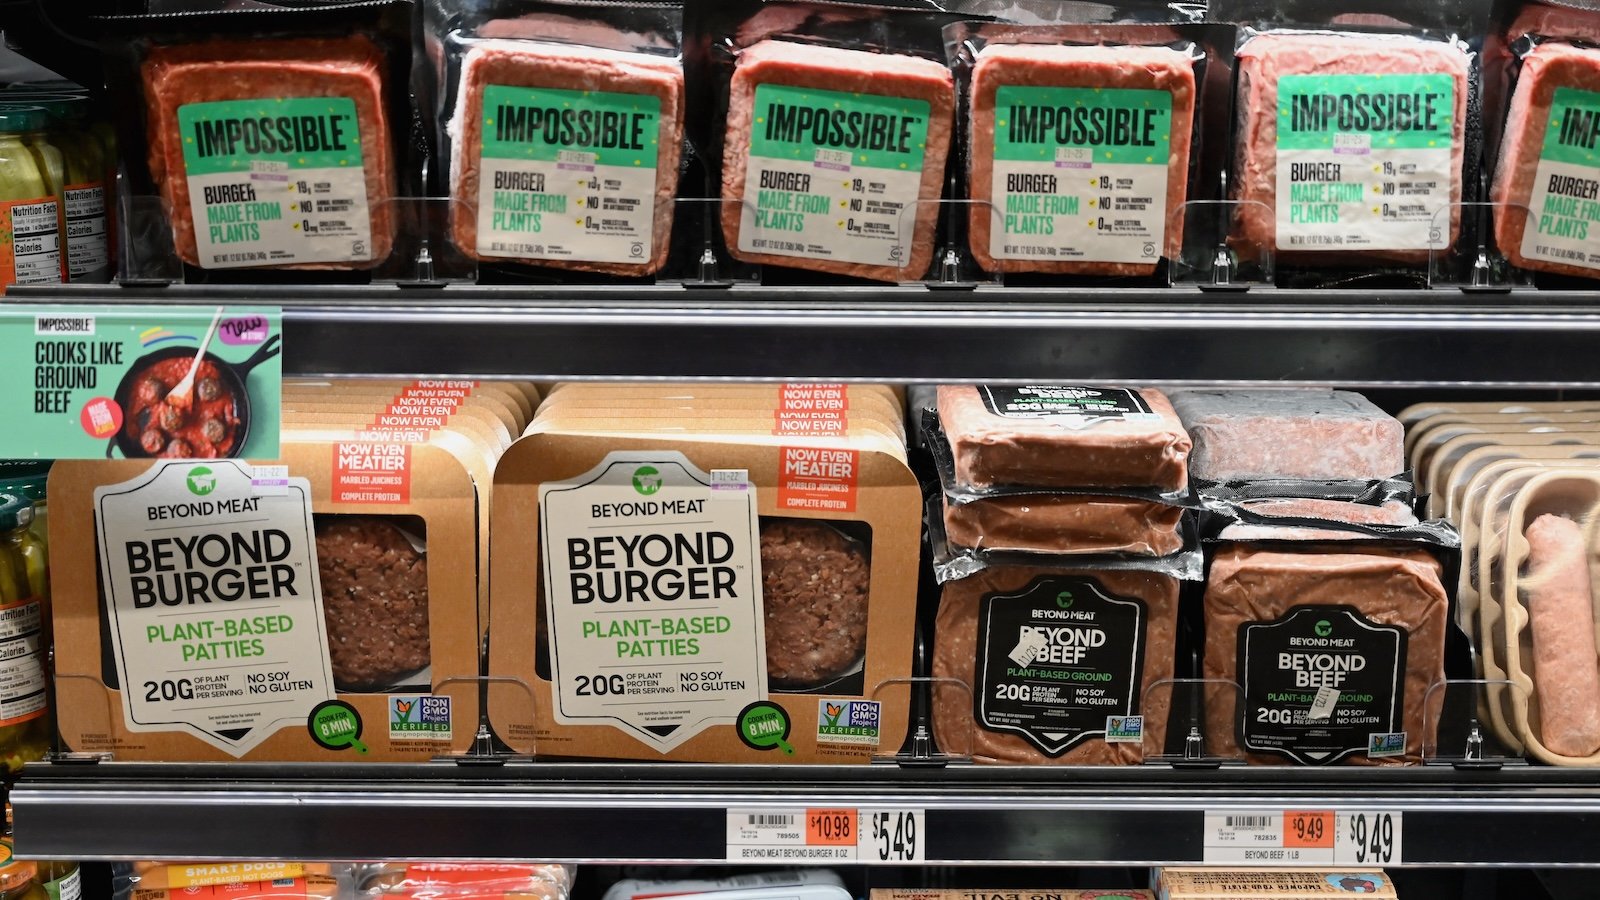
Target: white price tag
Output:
[
  {"x": 824, "y": 835},
  {"x": 893, "y": 836},
  {"x": 1303, "y": 837},
  {"x": 1369, "y": 838},
  {"x": 270, "y": 481},
  {"x": 1028, "y": 648},
  {"x": 1322, "y": 705}
]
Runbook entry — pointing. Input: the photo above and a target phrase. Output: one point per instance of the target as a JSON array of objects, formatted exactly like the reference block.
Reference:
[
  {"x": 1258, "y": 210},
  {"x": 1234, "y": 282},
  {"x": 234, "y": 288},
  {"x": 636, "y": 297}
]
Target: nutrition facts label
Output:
[
  {"x": 31, "y": 252},
  {"x": 88, "y": 256},
  {"x": 833, "y": 175},
  {"x": 22, "y": 676},
  {"x": 1365, "y": 161},
  {"x": 568, "y": 175}
]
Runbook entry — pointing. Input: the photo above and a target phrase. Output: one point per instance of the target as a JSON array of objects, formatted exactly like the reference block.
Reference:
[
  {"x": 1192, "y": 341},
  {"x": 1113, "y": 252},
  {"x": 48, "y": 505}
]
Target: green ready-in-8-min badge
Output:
[
  {"x": 1564, "y": 205},
  {"x": 275, "y": 181},
  {"x": 1080, "y": 174},
  {"x": 568, "y": 175},
  {"x": 1365, "y": 161},
  {"x": 833, "y": 175}
]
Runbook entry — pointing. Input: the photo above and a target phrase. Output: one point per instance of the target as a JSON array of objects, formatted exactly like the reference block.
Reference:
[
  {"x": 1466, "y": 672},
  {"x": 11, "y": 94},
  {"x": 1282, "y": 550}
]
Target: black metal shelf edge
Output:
[
  {"x": 1374, "y": 339},
  {"x": 644, "y": 812}
]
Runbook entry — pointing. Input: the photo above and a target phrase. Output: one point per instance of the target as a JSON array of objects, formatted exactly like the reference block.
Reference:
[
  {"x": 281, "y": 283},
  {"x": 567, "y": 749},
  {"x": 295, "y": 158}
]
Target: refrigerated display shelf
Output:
[
  {"x": 1542, "y": 339},
  {"x": 1517, "y": 816}
]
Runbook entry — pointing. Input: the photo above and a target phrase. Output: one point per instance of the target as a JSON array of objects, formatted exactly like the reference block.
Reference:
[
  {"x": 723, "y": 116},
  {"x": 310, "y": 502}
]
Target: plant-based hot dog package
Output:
[
  {"x": 1054, "y": 660},
  {"x": 1084, "y": 141},
  {"x": 559, "y": 130},
  {"x": 278, "y": 138},
  {"x": 839, "y": 121},
  {"x": 701, "y": 588},
  {"x": 1353, "y": 133},
  {"x": 1333, "y": 639},
  {"x": 320, "y": 606}
]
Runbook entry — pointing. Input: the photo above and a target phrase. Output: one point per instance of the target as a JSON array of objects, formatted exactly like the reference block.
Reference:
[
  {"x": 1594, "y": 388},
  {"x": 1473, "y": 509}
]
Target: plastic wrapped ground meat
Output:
[
  {"x": 1243, "y": 435},
  {"x": 1560, "y": 605},
  {"x": 1053, "y": 523},
  {"x": 1317, "y": 113},
  {"x": 216, "y": 86},
  {"x": 1010, "y": 78},
  {"x": 1392, "y": 512},
  {"x": 1547, "y": 173},
  {"x": 1288, "y": 625},
  {"x": 375, "y": 601},
  {"x": 1063, "y": 436},
  {"x": 814, "y": 584},
  {"x": 1030, "y": 640}
]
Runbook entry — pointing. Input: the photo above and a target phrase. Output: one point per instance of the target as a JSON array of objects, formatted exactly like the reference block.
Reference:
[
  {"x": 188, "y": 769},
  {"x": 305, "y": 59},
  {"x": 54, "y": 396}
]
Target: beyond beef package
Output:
[
  {"x": 1054, "y": 660},
  {"x": 1542, "y": 67},
  {"x": 1356, "y": 136},
  {"x": 1334, "y": 624},
  {"x": 704, "y": 587},
  {"x": 317, "y": 607},
  {"x": 277, "y": 138},
  {"x": 1083, "y": 143},
  {"x": 559, "y": 130},
  {"x": 832, "y": 123}
]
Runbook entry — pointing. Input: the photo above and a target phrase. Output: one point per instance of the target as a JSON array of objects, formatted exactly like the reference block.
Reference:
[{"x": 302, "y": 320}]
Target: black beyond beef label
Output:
[
  {"x": 1070, "y": 406},
  {"x": 1357, "y": 667},
  {"x": 1055, "y": 659}
]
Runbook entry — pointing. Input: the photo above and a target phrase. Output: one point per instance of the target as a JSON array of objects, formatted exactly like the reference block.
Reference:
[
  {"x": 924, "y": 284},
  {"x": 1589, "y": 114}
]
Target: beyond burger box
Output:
[
  {"x": 707, "y": 589},
  {"x": 321, "y": 606}
]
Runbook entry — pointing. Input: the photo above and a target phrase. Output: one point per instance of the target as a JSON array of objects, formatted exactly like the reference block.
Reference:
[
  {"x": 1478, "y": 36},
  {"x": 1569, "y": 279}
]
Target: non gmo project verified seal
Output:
[
  {"x": 419, "y": 718},
  {"x": 848, "y": 722}
]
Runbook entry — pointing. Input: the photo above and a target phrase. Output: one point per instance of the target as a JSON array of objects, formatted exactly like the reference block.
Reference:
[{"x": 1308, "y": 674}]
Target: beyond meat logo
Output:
[{"x": 840, "y": 128}]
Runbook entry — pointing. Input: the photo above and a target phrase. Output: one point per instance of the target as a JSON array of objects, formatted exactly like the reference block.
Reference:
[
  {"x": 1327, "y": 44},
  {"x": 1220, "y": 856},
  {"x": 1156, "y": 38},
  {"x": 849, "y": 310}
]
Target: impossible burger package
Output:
[
  {"x": 701, "y": 588},
  {"x": 278, "y": 138},
  {"x": 1084, "y": 141},
  {"x": 320, "y": 606},
  {"x": 828, "y": 132},
  {"x": 1354, "y": 131},
  {"x": 559, "y": 130}
]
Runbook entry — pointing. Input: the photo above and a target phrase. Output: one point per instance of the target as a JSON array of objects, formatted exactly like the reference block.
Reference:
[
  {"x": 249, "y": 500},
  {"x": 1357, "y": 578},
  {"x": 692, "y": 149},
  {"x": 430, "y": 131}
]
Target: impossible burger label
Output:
[
  {"x": 1364, "y": 161},
  {"x": 1080, "y": 174},
  {"x": 568, "y": 175},
  {"x": 276, "y": 180},
  {"x": 833, "y": 175},
  {"x": 1565, "y": 202},
  {"x": 652, "y": 592},
  {"x": 214, "y": 603}
]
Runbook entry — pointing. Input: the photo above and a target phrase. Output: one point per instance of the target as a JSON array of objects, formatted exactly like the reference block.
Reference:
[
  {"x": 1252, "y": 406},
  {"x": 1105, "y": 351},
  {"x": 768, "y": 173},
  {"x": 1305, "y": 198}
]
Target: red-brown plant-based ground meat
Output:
[
  {"x": 375, "y": 601},
  {"x": 814, "y": 582}
]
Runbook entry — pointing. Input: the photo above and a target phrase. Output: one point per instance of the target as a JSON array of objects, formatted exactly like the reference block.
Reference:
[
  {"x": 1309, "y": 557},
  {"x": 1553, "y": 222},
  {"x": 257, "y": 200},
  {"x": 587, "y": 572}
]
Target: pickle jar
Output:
[
  {"x": 30, "y": 189},
  {"x": 25, "y": 730},
  {"x": 28, "y": 478},
  {"x": 19, "y": 879},
  {"x": 84, "y": 196}
]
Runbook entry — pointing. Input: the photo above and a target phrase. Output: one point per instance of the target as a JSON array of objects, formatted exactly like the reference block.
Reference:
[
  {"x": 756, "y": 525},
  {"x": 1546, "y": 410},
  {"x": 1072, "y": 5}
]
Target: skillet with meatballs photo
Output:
[{"x": 214, "y": 423}]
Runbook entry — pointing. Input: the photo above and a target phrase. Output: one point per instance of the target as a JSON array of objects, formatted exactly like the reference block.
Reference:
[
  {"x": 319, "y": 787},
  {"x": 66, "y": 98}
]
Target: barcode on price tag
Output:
[
  {"x": 826, "y": 835},
  {"x": 1302, "y": 837}
]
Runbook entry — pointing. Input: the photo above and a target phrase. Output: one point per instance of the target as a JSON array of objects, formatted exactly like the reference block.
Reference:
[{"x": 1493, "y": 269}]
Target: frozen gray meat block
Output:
[{"x": 1245, "y": 435}]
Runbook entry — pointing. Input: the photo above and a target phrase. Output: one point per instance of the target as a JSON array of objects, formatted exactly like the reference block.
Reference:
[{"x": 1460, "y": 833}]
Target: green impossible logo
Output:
[
  {"x": 201, "y": 481},
  {"x": 647, "y": 480}
]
